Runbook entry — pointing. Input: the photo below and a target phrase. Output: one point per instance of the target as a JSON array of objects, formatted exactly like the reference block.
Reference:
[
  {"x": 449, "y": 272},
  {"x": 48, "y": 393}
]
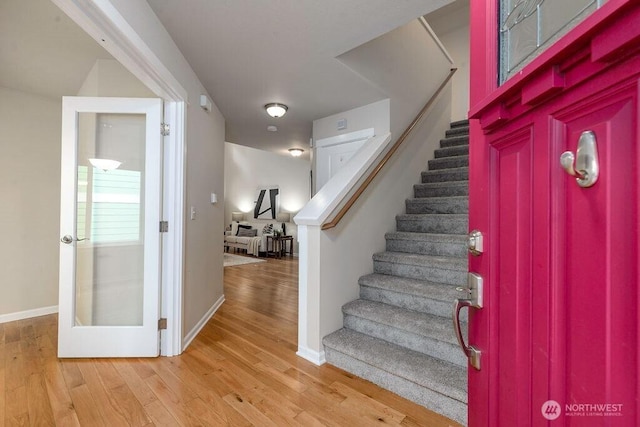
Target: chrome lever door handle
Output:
[
  {"x": 587, "y": 168},
  {"x": 67, "y": 239}
]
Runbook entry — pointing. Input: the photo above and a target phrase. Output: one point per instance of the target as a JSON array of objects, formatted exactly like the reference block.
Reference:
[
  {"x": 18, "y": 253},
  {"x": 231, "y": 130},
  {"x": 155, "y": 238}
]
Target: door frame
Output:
[{"x": 101, "y": 20}]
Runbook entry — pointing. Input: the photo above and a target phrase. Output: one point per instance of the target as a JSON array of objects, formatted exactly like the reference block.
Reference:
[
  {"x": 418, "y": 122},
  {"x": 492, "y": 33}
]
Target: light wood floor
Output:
[{"x": 240, "y": 371}]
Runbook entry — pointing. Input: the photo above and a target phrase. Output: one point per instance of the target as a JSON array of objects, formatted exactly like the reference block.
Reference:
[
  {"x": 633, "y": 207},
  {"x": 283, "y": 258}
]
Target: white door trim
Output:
[{"x": 101, "y": 20}]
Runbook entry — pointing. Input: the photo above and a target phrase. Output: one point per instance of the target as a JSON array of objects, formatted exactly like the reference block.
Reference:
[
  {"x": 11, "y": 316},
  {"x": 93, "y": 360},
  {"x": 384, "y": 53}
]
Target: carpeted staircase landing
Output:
[{"x": 399, "y": 334}]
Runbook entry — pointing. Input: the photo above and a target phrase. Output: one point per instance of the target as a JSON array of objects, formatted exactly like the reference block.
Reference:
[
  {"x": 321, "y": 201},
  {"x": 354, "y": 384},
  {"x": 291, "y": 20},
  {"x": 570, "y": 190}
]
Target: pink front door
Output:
[{"x": 559, "y": 329}]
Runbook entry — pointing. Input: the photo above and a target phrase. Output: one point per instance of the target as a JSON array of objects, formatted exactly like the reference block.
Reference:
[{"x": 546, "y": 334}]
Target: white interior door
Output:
[
  {"x": 334, "y": 152},
  {"x": 110, "y": 241}
]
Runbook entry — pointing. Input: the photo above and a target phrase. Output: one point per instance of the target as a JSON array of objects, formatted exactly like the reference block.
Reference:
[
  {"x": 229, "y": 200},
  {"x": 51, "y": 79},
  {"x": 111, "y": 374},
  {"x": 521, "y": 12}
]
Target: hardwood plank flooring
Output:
[{"x": 241, "y": 370}]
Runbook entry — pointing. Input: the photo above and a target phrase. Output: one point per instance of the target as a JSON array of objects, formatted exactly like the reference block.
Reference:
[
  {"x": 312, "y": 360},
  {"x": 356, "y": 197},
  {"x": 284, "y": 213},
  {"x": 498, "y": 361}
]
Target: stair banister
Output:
[{"x": 374, "y": 172}]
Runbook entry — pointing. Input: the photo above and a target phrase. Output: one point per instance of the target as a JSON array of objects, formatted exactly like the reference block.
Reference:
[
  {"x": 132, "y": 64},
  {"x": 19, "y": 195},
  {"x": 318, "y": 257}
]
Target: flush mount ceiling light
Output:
[
  {"x": 296, "y": 152},
  {"x": 276, "y": 110}
]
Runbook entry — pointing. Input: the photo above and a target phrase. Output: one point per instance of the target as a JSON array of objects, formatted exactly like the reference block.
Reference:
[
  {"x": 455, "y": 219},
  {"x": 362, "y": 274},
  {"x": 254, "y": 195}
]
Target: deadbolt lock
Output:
[{"x": 475, "y": 243}]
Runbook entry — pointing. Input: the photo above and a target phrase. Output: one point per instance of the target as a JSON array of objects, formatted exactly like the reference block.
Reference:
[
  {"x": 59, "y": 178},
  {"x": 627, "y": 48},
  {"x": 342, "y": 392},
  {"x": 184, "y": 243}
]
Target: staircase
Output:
[{"x": 399, "y": 334}]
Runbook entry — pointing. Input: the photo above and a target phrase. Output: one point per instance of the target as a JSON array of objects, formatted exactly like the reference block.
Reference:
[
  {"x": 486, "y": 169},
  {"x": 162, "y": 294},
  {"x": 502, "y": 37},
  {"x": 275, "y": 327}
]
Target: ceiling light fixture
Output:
[
  {"x": 296, "y": 152},
  {"x": 276, "y": 110},
  {"x": 105, "y": 164}
]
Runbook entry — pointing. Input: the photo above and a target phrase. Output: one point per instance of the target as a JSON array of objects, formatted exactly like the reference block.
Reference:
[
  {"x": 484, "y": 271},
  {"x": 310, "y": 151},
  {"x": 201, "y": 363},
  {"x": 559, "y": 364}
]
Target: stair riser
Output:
[
  {"x": 449, "y": 162},
  {"x": 412, "y": 302},
  {"x": 433, "y": 225},
  {"x": 447, "y": 351},
  {"x": 426, "y": 247},
  {"x": 460, "y": 123},
  {"x": 454, "y": 141},
  {"x": 427, "y": 190},
  {"x": 421, "y": 272},
  {"x": 445, "y": 175},
  {"x": 460, "y": 130},
  {"x": 459, "y": 150},
  {"x": 435, "y": 206},
  {"x": 447, "y": 406}
]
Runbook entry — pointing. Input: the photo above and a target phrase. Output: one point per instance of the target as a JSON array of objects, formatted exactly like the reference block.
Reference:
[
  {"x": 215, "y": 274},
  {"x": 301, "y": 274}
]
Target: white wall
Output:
[
  {"x": 247, "y": 169},
  {"x": 457, "y": 44},
  {"x": 30, "y": 208},
  {"x": 375, "y": 115},
  {"x": 203, "y": 249},
  {"x": 451, "y": 25},
  {"x": 109, "y": 78}
]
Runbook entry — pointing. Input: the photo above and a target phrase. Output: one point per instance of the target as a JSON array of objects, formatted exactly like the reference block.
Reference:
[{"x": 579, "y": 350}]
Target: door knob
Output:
[
  {"x": 67, "y": 239},
  {"x": 586, "y": 169}
]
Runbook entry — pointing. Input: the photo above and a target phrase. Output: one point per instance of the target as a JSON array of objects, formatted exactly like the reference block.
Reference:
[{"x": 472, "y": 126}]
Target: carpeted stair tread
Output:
[
  {"x": 454, "y": 245},
  {"x": 449, "y": 270},
  {"x": 425, "y": 371},
  {"x": 454, "y": 141},
  {"x": 441, "y": 189},
  {"x": 459, "y": 130},
  {"x": 422, "y": 332},
  {"x": 419, "y": 295},
  {"x": 456, "y": 150},
  {"x": 433, "y": 223},
  {"x": 443, "y": 175},
  {"x": 413, "y": 287},
  {"x": 418, "y": 323},
  {"x": 449, "y": 162},
  {"x": 460, "y": 123},
  {"x": 438, "y": 205},
  {"x": 448, "y": 263}
]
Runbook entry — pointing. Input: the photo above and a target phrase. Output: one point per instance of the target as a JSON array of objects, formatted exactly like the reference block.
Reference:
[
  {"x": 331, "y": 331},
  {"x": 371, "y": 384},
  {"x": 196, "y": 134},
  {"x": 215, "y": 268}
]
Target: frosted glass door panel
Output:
[
  {"x": 110, "y": 215},
  {"x": 527, "y": 27}
]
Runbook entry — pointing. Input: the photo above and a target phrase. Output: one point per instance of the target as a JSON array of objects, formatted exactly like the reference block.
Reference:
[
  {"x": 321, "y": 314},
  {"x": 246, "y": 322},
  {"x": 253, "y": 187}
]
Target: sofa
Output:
[{"x": 249, "y": 237}]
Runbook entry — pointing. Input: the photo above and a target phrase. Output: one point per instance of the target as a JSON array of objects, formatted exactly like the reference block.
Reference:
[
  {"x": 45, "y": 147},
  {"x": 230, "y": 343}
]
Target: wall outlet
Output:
[{"x": 342, "y": 124}]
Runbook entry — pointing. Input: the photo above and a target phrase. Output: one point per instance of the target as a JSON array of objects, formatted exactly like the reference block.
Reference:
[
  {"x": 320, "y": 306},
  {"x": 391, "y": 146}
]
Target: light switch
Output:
[{"x": 193, "y": 212}]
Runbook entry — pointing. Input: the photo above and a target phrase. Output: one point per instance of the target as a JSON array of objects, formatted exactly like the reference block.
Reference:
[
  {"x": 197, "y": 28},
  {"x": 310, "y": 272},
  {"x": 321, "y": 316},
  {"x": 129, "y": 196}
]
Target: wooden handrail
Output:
[{"x": 336, "y": 219}]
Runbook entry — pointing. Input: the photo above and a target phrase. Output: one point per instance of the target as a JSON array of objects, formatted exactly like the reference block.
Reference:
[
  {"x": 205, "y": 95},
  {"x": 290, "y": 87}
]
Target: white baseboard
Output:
[
  {"x": 27, "y": 314},
  {"x": 196, "y": 329},
  {"x": 315, "y": 357}
]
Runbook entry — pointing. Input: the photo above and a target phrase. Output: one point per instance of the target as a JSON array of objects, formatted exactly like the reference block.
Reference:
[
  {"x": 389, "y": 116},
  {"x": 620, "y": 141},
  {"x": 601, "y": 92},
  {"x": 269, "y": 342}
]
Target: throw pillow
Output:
[
  {"x": 268, "y": 229},
  {"x": 234, "y": 228},
  {"x": 242, "y": 227},
  {"x": 247, "y": 232}
]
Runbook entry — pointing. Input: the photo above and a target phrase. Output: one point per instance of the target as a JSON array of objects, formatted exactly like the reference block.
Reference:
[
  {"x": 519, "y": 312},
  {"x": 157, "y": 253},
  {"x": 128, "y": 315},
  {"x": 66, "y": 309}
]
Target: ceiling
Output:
[{"x": 248, "y": 53}]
